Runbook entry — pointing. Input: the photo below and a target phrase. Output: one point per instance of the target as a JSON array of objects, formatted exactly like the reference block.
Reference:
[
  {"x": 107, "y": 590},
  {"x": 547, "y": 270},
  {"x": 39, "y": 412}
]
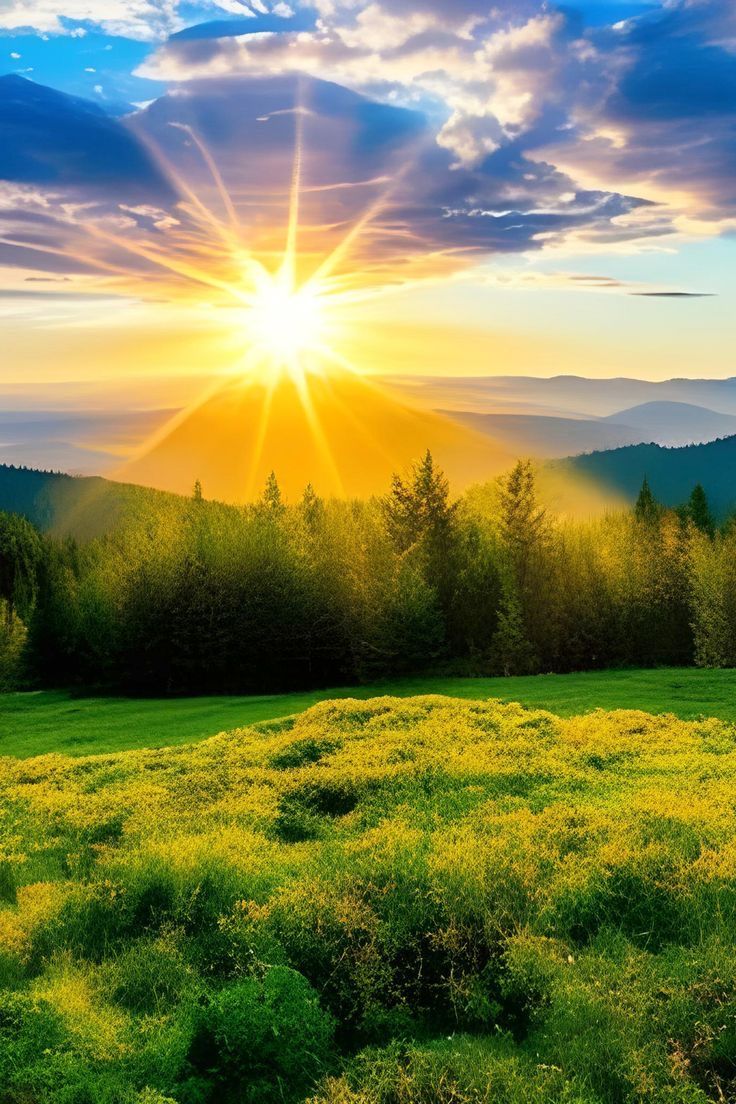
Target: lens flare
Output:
[{"x": 285, "y": 324}]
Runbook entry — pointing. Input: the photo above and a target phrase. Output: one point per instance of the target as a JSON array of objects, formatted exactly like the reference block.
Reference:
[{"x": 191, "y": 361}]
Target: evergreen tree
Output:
[
  {"x": 197, "y": 491},
  {"x": 524, "y": 533},
  {"x": 272, "y": 503},
  {"x": 523, "y": 523},
  {"x": 21, "y": 552},
  {"x": 512, "y": 652},
  {"x": 421, "y": 519},
  {"x": 419, "y": 506},
  {"x": 698, "y": 511},
  {"x": 647, "y": 510},
  {"x": 312, "y": 507}
]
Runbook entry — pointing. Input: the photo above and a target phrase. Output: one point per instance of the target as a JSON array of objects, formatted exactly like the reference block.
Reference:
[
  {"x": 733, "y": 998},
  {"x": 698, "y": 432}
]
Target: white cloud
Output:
[
  {"x": 147, "y": 20},
  {"x": 493, "y": 80}
]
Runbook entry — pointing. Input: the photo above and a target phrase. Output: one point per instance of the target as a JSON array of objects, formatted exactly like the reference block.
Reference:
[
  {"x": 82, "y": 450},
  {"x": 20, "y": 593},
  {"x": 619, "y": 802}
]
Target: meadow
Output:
[
  {"x": 388, "y": 901},
  {"x": 41, "y": 721}
]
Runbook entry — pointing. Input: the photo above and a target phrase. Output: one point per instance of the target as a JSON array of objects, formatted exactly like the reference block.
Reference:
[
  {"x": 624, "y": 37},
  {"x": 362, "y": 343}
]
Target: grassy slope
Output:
[
  {"x": 35, "y": 723},
  {"x": 504, "y": 906}
]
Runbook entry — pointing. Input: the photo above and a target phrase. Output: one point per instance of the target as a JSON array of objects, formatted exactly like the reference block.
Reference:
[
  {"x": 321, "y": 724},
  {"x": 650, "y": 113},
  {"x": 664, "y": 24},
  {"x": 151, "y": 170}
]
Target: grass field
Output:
[
  {"x": 422, "y": 901},
  {"x": 36, "y": 723}
]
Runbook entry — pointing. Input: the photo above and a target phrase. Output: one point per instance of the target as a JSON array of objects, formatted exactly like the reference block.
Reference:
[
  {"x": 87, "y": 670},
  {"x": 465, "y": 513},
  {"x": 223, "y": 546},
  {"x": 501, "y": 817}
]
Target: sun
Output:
[{"x": 285, "y": 325}]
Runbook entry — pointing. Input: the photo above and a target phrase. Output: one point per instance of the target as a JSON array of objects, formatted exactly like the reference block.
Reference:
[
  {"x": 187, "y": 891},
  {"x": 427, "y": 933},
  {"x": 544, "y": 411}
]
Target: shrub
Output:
[{"x": 263, "y": 1039}]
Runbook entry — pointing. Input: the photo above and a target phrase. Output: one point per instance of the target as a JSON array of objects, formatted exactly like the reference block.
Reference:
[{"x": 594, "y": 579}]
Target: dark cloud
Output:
[
  {"x": 58, "y": 141},
  {"x": 673, "y": 294}
]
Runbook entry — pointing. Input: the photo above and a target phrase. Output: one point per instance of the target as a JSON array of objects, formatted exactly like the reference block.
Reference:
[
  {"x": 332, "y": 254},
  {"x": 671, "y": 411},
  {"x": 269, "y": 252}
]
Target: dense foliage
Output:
[
  {"x": 194, "y": 596},
  {"x": 384, "y": 902}
]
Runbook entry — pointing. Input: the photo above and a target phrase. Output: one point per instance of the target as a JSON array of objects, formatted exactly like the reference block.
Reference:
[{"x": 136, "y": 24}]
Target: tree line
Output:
[{"x": 195, "y": 596}]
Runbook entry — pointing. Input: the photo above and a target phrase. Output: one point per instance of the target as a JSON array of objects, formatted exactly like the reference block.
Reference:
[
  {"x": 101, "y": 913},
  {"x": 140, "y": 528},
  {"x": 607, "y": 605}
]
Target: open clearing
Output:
[
  {"x": 56, "y": 721},
  {"x": 424, "y": 901}
]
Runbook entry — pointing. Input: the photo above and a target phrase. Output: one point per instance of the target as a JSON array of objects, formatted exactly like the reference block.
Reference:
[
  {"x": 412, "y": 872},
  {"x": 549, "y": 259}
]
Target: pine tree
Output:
[
  {"x": 419, "y": 506},
  {"x": 272, "y": 503},
  {"x": 511, "y": 651},
  {"x": 698, "y": 511},
  {"x": 647, "y": 510},
  {"x": 312, "y": 507},
  {"x": 523, "y": 522},
  {"x": 197, "y": 491}
]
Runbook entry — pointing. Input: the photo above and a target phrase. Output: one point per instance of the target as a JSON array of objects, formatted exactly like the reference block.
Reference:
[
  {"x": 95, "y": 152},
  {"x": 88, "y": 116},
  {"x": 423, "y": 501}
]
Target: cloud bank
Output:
[{"x": 442, "y": 130}]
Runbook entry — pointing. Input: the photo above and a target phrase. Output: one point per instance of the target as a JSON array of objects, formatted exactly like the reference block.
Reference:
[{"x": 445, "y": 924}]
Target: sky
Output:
[{"x": 504, "y": 187}]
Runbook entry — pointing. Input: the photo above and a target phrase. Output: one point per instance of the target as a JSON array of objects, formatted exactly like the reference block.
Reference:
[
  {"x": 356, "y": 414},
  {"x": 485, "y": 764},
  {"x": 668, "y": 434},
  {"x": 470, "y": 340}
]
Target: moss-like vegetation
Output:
[{"x": 419, "y": 901}]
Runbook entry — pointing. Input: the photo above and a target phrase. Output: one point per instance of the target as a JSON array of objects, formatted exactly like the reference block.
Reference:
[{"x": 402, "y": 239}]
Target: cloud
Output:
[
  {"x": 60, "y": 141},
  {"x": 111, "y": 195},
  {"x": 642, "y": 105},
  {"x": 674, "y": 294},
  {"x": 148, "y": 20}
]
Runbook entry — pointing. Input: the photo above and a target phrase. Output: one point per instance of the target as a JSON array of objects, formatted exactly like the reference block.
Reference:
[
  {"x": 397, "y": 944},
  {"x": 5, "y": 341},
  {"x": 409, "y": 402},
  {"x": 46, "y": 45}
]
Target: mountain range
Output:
[{"x": 547, "y": 419}]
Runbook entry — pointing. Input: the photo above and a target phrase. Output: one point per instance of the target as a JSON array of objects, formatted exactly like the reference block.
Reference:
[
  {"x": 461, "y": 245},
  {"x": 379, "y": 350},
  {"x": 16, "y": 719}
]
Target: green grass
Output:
[
  {"x": 56, "y": 721},
  {"x": 403, "y": 901}
]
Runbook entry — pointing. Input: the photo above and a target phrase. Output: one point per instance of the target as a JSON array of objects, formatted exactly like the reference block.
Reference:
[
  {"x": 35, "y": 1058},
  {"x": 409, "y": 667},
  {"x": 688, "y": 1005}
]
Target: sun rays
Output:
[
  {"x": 280, "y": 260},
  {"x": 292, "y": 307}
]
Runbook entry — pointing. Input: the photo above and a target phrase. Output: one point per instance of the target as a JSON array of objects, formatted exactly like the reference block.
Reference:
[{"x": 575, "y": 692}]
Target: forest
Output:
[{"x": 185, "y": 595}]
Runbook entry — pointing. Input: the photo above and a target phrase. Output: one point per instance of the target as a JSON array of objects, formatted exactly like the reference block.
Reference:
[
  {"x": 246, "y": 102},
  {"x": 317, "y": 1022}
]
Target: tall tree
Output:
[
  {"x": 647, "y": 509},
  {"x": 422, "y": 523},
  {"x": 312, "y": 507},
  {"x": 524, "y": 532},
  {"x": 21, "y": 550},
  {"x": 698, "y": 511},
  {"x": 419, "y": 505},
  {"x": 271, "y": 502},
  {"x": 523, "y": 522}
]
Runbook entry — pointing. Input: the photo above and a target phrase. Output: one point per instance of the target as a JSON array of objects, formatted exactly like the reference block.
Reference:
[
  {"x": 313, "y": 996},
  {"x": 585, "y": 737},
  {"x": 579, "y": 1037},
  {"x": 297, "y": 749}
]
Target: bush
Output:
[{"x": 263, "y": 1039}]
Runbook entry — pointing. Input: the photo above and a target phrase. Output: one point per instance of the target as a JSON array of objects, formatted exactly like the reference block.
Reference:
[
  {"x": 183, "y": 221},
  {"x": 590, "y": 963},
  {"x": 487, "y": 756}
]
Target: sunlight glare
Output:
[{"x": 284, "y": 323}]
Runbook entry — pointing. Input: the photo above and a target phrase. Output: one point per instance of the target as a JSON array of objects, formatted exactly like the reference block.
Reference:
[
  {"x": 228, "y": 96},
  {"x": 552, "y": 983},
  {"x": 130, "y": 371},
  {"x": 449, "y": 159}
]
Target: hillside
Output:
[
  {"x": 545, "y": 437},
  {"x": 80, "y": 506},
  {"x": 672, "y": 472},
  {"x": 372, "y": 902}
]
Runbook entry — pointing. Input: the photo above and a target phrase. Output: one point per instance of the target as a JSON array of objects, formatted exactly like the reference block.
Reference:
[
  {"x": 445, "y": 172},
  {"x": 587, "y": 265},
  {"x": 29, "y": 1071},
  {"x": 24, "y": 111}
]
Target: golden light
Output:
[{"x": 283, "y": 323}]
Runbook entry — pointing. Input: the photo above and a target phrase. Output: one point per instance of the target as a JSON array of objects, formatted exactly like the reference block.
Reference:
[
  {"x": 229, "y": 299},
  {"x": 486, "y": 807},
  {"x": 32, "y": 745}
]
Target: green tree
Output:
[
  {"x": 21, "y": 552},
  {"x": 272, "y": 504},
  {"x": 523, "y": 523},
  {"x": 419, "y": 506},
  {"x": 312, "y": 507},
  {"x": 698, "y": 511},
  {"x": 197, "y": 491},
  {"x": 647, "y": 510},
  {"x": 524, "y": 532},
  {"x": 512, "y": 652}
]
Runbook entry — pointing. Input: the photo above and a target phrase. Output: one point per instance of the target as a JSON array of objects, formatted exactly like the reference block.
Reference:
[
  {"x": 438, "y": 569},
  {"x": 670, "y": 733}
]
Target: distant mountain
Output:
[
  {"x": 86, "y": 442},
  {"x": 672, "y": 472},
  {"x": 675, "y": 423},
  {"x": 545, "y": 437},
  {"x": 562, "y": 396}
]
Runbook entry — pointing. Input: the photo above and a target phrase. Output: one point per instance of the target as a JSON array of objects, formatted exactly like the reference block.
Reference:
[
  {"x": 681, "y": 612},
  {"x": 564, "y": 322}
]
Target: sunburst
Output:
[{"x": 293, "y": 309}]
